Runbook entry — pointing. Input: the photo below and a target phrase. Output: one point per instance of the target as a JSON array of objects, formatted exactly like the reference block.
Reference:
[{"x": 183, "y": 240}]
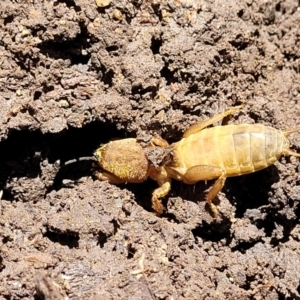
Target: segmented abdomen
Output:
[{"x": 237, "y": 149}]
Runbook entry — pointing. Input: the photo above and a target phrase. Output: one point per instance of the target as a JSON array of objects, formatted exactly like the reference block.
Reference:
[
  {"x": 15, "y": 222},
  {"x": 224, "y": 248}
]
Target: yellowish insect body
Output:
[
  {"x": 202, "y": 154},
  {"x": 236, "y": 149}
]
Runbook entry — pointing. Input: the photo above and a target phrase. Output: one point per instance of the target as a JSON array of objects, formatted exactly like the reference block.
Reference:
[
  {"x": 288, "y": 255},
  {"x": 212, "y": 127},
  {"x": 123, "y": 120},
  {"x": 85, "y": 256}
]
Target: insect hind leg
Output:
[
  {"x": 216, "y": 188},
  {"x": 201, "y": 172},
  {"x": 216, "y": 118}
]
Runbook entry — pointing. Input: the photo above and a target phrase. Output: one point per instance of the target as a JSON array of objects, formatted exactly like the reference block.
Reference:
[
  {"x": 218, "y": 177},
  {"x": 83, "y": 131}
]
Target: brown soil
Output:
[{"x": 73, "y": 76}]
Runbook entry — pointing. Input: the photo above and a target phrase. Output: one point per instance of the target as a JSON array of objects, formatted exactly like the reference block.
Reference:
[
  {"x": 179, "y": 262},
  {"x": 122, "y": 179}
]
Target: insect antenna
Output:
[
  {"x": 58, "y": 163},
  {"x": 84, "y": 158}
]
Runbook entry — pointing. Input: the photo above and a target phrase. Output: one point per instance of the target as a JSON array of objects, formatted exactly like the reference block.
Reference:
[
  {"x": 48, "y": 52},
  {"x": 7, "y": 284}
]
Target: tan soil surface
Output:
[{"x": 74, "y": 75}]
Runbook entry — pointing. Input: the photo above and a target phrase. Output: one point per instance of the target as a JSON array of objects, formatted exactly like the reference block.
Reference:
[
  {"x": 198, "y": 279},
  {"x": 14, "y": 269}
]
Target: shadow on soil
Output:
[{"x": 24, "y": 151}]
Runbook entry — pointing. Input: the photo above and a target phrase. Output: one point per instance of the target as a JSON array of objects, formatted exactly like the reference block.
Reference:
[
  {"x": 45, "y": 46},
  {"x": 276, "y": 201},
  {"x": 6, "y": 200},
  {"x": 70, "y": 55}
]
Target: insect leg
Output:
[
  {"x": 158, "y": 141},
  {"x": 202, "y": 124},
  {"x": 198, "y": 173},
  {"x": 158, "y": 193},
  {"x": 164, "y": 181},
  {"x": 111, "y": 178},
  {"x": 216, "y": 188}
]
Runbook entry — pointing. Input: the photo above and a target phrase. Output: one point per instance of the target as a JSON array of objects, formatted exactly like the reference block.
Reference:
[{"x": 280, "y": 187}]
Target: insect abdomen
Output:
[
  {"x": 237, "y": 149},
  {"x": 247, "y": 148}
]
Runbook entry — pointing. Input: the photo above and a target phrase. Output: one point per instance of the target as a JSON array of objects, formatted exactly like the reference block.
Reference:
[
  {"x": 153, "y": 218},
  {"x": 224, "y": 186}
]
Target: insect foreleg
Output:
[{"x": 111, "y": 178}]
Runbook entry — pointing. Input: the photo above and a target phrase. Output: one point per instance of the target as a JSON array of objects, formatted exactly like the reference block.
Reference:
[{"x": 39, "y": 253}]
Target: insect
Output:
[
  {"x": 202, "y": 154},
  {"x": 225, "y": 151}
]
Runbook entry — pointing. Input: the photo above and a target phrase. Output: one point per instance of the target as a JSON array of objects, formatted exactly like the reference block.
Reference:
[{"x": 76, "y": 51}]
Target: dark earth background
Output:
[{"x": 75, "y": 74}]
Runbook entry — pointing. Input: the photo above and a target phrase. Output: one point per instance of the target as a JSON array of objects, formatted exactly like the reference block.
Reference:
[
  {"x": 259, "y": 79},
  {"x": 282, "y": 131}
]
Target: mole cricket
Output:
[{"x": 204, "y": 153}]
